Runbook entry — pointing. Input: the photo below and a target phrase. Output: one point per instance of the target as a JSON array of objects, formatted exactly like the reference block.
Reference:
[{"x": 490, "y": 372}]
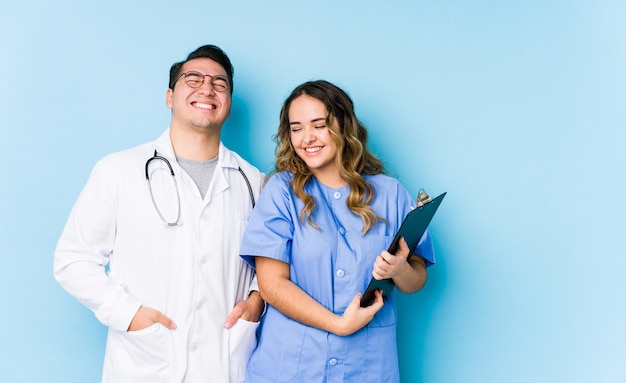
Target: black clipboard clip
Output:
[{"x": 412, "y": 229}]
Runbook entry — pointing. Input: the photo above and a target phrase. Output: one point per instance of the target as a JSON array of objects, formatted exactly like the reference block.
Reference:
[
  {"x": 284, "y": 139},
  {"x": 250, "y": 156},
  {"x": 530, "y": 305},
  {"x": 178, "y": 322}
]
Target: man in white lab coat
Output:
[{"x": 152, "y": 243}]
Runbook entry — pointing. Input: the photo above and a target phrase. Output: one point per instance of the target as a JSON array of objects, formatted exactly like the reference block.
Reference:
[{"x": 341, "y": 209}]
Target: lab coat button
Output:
[
  {"x": 340, "y": 273},
  {"x": 332, "y": 361},
  {"x": 194, "y": 346},
  {"x": 337, "y": 195}
]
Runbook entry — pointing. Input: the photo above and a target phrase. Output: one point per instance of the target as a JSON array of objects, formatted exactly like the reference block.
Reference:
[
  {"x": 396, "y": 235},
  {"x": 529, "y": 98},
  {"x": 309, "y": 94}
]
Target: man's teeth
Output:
[{"x": 205, "y": 106}]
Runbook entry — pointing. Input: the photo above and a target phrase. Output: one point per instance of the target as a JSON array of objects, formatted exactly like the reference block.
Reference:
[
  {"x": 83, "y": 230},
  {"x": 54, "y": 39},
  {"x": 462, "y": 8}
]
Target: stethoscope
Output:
[{"x": 169, "y": 166}]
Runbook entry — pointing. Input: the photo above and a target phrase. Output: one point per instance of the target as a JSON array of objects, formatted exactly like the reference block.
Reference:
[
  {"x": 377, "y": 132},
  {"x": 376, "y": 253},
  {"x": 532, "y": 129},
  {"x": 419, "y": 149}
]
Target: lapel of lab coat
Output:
[{"x": 221, "y": 178}]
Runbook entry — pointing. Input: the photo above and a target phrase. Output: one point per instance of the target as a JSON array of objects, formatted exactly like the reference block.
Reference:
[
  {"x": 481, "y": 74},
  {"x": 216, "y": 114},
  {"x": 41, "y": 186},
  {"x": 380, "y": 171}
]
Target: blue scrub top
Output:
[{"x": 332, "y": 265}]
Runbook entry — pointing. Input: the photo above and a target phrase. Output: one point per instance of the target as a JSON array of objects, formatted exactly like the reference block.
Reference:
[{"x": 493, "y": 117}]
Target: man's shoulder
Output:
[
  {"x": 142, "y": 151},
  {"x": 235, "y": 158}
]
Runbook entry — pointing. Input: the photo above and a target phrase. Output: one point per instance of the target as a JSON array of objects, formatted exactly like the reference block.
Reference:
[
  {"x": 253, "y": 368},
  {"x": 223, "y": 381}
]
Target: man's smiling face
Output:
[{"x": 202, "y": 108}]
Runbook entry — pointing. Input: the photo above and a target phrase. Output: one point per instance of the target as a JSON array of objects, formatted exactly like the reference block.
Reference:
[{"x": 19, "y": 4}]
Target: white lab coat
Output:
[{"x": 116, "y": 254}]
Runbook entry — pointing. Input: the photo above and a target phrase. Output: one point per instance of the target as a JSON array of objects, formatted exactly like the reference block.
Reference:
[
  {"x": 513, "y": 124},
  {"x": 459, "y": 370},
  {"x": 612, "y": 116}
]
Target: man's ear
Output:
[{"x": 168, "y": 98}]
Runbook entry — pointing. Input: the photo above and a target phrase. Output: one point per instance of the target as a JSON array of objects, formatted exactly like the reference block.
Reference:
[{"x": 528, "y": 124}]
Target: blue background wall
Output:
[{"x": 515, "y": 108}]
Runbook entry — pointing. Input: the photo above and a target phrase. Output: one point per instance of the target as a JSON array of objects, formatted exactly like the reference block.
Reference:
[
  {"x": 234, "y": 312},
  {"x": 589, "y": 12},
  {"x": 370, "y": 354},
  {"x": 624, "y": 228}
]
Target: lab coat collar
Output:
[
  {"x": 163, "y": 145},
  {"x": 226, "y": 160},
  {"x": 221, "y": 181}
]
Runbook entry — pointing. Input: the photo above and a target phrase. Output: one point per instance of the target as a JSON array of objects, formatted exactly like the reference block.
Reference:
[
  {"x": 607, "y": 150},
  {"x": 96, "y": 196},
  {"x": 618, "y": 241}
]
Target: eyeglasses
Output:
[{"x": 196, "y": 79}]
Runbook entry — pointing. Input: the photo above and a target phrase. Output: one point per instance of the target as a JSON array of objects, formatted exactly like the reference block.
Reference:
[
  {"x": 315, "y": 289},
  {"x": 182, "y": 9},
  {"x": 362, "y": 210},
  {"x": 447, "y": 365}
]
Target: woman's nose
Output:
[{"x": 309, "y": 136}]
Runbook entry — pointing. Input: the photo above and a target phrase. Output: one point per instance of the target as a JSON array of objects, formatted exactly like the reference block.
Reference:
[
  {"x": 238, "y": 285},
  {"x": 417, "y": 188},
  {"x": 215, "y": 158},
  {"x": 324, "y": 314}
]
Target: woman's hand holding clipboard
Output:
[{"x": 412, "y": 229}]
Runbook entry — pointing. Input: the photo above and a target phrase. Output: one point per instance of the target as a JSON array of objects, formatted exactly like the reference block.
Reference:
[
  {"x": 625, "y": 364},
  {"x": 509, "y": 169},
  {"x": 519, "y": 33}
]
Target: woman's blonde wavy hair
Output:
[{"x": 353, "y": 158}]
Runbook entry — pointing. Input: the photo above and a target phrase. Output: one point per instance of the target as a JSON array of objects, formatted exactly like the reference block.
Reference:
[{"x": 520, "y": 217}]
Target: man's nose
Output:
[{"x": 207, "y": 86}]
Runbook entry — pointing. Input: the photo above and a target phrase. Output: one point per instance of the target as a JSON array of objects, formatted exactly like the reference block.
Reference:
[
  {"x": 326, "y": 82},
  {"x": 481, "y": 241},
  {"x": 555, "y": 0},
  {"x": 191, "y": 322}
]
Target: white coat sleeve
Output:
[{"x": 83, "y": 250}]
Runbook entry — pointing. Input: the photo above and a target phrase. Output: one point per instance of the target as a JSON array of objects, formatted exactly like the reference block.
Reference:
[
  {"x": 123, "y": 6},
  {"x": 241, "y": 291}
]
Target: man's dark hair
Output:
[{"x": 212, "y": 52}]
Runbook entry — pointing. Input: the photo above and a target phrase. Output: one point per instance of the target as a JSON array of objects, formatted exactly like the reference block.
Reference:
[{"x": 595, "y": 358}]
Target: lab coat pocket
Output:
[
  {"x": 241, "y": 342},
  {"x": 139, "y": 356}
]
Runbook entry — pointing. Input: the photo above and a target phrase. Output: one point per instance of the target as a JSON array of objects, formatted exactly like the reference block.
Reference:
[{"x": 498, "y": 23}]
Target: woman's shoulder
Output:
[
  {"x": 280, "y": 178},
  {"x": 383, "y": 181},
  {"x": 388, "y": 187},
  {"x": 278, "y": 182}
]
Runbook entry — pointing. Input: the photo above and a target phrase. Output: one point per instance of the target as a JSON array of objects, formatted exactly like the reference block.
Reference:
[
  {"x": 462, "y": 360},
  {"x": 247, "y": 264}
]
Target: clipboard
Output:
[{"x": 412, "y": 229}]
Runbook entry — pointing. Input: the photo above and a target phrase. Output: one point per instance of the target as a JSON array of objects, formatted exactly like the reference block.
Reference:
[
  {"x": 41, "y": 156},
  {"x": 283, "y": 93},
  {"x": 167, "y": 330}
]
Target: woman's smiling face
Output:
[{"x": 310, "y": 137}]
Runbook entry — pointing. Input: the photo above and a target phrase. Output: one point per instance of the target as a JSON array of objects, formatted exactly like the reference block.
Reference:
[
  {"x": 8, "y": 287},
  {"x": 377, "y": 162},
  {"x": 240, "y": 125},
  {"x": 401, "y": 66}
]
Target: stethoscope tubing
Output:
[
  {"x": 169, "y": 166},
  {"x": 157, "y": 157}
]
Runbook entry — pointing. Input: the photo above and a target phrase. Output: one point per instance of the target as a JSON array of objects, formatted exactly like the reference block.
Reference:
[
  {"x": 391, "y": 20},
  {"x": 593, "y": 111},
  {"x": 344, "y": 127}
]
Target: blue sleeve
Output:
[
  {"x": 425, "y": 248},
  {"x": 270, "y": 229}
]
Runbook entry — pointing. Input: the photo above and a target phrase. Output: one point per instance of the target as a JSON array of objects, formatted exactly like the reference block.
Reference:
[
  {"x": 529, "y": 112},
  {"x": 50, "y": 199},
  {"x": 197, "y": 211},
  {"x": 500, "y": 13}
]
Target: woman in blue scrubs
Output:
[{"x": 316, "y": 237}]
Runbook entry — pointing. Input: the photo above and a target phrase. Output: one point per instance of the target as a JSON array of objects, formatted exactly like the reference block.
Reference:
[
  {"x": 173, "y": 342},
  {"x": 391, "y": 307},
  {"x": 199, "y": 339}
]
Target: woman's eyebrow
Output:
[{"x": 313, "y": 120}]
